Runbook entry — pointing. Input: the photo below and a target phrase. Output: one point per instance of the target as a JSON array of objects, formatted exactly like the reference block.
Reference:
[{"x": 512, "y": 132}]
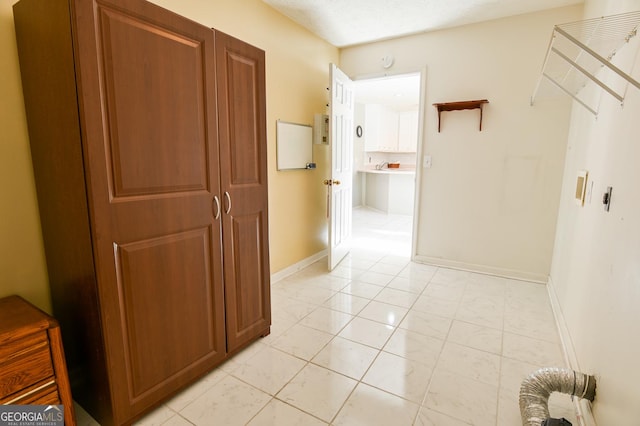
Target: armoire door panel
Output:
[
  {"x": 165, "y": 289},
  {"x": 155, "y": 105},
  {"x": 244, "y": 156},
  {"x": 245, "y": 289},
  {"x": 240, "y": 74},
  {"x": 243, "y": 121}
]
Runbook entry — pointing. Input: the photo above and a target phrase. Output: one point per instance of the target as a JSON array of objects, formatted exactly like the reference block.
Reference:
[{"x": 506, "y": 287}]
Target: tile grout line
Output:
[{"x": 426, "y": 394}]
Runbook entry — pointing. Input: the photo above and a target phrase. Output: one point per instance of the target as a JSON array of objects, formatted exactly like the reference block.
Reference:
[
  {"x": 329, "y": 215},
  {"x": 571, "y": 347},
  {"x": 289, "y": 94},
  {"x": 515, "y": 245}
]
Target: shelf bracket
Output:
[{"x": 460, "y": 105}]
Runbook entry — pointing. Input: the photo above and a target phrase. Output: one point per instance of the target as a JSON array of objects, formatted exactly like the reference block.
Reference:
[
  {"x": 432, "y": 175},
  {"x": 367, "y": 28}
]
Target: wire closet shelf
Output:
[{"x": 580, "y": 59}]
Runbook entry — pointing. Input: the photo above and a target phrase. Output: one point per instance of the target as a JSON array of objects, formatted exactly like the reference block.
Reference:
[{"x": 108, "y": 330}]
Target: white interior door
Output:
[{"x": 339, "y": 186}]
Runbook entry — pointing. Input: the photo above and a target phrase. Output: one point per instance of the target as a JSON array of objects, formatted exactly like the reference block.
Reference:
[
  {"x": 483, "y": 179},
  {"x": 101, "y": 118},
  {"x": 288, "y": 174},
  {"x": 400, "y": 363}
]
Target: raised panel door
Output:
[
  {"x": 341, "y": 117},
  {"x": 243, "y": 170}
]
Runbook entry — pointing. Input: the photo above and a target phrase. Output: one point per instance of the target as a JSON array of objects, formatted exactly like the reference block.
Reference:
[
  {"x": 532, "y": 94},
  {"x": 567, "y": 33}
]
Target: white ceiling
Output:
[{"x": 349, "y": 22}]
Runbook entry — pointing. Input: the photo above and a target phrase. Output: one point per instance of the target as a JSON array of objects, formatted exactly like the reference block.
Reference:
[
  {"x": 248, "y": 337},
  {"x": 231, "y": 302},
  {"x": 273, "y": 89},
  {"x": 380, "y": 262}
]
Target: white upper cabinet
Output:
[
  {"x": 380, "y": 129},
  {"x": 389, "y": 131},
  {"x": 408, "y": 131},
  {"x": 371, "y": 131}
]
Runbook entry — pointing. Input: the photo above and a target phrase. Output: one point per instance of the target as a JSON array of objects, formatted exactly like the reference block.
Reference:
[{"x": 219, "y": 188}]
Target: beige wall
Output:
[
  {"x": 595, "y": 276},
  {"x": 297, "y": 74},
  {"x": 490, "y": 200},
  {"x": 22, "y": 264}
]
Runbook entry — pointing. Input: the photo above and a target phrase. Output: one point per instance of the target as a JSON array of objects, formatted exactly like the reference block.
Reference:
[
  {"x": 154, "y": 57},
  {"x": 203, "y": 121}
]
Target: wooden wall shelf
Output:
[{"x": 460, "y": 105}]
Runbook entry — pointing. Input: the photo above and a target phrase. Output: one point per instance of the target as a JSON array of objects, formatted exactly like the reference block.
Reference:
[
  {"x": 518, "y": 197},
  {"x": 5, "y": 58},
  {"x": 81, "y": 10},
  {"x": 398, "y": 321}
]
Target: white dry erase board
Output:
[{"x": 294, "y": 145}]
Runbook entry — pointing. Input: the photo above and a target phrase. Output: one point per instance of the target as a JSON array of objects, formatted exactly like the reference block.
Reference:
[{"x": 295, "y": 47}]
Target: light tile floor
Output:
[{"x": 382, "y": 341}]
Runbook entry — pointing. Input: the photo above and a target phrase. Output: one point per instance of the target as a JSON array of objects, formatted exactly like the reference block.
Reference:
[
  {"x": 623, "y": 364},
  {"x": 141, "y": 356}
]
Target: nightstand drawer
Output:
[
  {"x": 42, "y": 393},
  {"x": 24, "y": 368},
  {"x": 32, "y": 365},
  {"x": 18, "y": 348}
]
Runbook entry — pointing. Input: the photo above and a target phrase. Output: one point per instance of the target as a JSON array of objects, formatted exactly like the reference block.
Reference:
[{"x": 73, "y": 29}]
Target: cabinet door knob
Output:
[
  {"x": 227, "y": 198},
  {"x": 336, "y": 182},
  {"x": 216, "y": 201}
]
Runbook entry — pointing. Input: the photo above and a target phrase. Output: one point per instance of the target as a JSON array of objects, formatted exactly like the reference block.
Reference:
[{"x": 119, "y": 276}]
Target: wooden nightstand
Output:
[{"x": 32, "y": 365}]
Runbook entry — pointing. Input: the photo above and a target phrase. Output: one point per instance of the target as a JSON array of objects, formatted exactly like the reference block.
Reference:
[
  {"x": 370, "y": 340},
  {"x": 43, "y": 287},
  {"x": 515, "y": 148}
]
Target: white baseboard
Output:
[
  {"x": 582, "y": 406},
  {"x": 290, "y": 270},
  {"x": 565, "y": 338},
  {"x": 482, "y": 269}
]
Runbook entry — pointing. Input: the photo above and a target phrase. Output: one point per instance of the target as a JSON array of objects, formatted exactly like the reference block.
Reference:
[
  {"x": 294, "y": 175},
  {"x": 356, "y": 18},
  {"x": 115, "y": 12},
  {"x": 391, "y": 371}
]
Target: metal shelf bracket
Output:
[{"x": 581, "y": 52}]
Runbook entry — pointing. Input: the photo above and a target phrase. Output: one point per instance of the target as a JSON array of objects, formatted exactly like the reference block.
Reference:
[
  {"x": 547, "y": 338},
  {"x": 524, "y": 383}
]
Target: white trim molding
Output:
[
  {"x": 482, "y": 269},
  {"x": 582, "y": 406},
  {"x": 290, "y": 270}
]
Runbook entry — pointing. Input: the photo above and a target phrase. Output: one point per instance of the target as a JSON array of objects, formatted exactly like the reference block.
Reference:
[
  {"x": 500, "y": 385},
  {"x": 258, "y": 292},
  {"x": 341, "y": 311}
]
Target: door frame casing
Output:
[{"x": 421, "y": 144}]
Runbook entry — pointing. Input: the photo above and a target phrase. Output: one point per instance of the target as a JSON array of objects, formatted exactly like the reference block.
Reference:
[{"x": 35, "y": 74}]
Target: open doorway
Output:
[{"x": 386, "y": 123}]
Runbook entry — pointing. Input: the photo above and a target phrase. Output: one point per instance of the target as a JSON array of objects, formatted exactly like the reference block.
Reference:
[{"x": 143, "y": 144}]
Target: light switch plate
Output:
[{"x": 426, "y": 162}]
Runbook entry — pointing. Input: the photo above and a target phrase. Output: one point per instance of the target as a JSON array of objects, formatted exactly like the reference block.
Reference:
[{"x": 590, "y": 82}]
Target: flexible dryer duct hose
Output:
[{"x": 536, "y": 389}]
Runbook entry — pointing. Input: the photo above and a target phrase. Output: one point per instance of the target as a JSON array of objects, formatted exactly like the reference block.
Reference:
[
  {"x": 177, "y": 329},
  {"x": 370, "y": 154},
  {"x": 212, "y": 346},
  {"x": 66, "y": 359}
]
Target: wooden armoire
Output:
[{"x": 148, "y": 139}]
